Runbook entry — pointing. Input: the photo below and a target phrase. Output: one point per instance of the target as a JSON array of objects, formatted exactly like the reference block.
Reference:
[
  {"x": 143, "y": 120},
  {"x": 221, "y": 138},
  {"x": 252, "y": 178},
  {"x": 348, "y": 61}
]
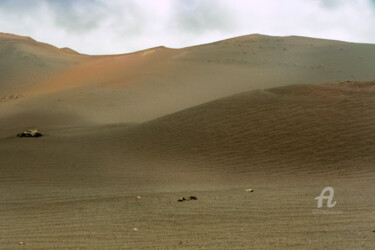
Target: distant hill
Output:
[{"x": 145, "y": 85}]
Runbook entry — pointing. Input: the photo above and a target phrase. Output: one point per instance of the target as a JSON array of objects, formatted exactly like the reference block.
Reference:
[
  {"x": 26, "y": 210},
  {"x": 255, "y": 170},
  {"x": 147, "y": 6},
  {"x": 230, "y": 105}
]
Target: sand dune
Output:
[
  {"x": 144, "y": 85},
  {"x": 312, "y": 128}
]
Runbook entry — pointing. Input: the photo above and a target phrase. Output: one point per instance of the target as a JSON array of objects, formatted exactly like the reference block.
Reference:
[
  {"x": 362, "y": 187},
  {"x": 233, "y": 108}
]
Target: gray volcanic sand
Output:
[{"x": 76, "y": 187}]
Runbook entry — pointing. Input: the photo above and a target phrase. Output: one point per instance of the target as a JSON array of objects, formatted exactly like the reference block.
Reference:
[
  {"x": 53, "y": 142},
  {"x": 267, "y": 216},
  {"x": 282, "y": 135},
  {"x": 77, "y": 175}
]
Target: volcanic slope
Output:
[{"x": 148, "y": 84}]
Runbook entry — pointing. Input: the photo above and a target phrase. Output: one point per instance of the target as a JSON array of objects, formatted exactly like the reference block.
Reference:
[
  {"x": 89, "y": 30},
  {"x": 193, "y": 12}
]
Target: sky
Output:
[{"x": 122, "y": 26}]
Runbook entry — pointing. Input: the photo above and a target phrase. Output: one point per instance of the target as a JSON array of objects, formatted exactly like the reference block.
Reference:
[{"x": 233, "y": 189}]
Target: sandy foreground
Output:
[
  {"x": 77, "y": 187},
  {"x": 58, "y": 192},
  {"x": 202, "y": 121}
]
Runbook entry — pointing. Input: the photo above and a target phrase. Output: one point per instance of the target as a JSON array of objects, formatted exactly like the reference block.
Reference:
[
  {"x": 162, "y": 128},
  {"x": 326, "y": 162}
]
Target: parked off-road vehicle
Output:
[{"x": 30, "y": 133}]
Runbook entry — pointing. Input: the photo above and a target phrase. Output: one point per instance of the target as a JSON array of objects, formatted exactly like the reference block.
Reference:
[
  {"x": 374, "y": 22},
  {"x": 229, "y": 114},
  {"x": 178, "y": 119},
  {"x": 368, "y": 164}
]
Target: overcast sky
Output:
[{"x": 120, "y": 26}]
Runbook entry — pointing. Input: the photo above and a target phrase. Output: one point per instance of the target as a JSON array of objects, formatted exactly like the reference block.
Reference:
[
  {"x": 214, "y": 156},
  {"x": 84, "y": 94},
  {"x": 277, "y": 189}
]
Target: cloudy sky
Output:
[{"x": 120, "y": 26}]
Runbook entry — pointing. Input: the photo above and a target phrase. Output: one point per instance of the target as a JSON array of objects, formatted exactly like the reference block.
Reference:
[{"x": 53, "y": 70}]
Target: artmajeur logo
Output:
[{"x": 326, "y": 195}]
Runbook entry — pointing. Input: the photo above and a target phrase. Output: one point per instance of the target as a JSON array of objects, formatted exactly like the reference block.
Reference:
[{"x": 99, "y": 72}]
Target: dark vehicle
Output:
[{"x": 30, "y": 133}]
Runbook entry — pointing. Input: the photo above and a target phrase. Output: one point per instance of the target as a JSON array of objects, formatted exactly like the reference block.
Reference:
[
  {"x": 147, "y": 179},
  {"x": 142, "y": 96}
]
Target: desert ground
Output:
[{"x": 284, "y": 116}]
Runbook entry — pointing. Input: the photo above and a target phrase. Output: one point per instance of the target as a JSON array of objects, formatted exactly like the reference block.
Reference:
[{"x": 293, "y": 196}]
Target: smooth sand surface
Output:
[{"x": 204, "y": 121}]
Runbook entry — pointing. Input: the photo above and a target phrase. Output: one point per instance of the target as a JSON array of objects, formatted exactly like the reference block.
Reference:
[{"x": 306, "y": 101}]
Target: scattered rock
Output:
[
  {"x": 138, "y": 197},
  {"x": 194, "y": 198},
  {"x": 249, "y": 190},
  {"x": 30, "y": 133},
  {"x": 181, "y": 199},
  {"x": 135, "y": 229},
  {"x": 21, "y": 243}
]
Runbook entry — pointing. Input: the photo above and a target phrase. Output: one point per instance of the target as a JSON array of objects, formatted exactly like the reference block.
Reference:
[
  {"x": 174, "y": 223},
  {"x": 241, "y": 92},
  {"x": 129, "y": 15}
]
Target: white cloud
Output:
[{"x": 119, "y": 26}]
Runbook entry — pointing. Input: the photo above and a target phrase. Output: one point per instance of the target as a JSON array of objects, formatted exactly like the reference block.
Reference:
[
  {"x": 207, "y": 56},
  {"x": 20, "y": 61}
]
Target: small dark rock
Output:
[{"x": 191, "y": 198}]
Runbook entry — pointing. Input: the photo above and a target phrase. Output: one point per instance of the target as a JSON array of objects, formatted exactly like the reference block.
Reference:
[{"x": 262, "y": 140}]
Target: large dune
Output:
[
  {"x": 313, "y": 128},
  {"x": 148, "y": 84}
]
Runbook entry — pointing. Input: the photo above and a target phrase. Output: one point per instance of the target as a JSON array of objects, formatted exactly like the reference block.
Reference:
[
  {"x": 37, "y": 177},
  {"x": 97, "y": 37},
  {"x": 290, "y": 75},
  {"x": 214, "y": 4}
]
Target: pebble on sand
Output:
[
  {"x": 191, "y": 198},
  {"x": 135, "y": 229},
  {"x": 249, "y": 190},
  {"x": 138, "y": 197},
  {"x": 21, "y": 243}
]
